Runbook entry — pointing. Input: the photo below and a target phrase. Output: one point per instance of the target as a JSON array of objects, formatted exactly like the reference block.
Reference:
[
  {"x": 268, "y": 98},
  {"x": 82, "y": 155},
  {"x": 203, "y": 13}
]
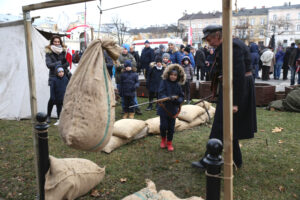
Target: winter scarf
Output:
[{"x": 56, "y": 49}]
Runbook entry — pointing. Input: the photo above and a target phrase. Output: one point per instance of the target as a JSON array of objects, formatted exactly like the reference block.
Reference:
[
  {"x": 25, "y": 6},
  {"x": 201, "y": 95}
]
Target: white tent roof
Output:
[{"x": 14, "y": 85}]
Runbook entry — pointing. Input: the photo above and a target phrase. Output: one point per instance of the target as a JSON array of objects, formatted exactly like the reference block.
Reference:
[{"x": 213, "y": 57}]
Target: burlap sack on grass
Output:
[
  {"x": 114, "y": 143},
  {"x": 150, "y": 193},
  {"x": 181, "y": 125},
  {"x": 204, "y": 103},
  {"x": 70, "y": 178},
  {"x": 211, "y": 112},
  {"x": 143, "y": 133},
  {"x": 128, "y": 128},
  {"x": 88, "y": 114},
  {"x": 196, "y": 122},
  {"x": 153, "y": 125},
  {"x": 190, "y": 112}
]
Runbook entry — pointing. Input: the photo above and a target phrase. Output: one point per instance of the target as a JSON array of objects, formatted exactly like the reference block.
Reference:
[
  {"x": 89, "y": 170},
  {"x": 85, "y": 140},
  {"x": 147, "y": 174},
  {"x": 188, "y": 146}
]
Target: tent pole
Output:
[
  {"x": 227, "y": 98},
  {"x": 32, "y": 88}
]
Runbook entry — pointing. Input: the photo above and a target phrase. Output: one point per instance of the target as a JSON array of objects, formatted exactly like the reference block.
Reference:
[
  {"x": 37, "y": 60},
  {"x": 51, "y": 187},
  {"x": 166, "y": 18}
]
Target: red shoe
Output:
[
  {"x": 169, "y": 145},
  {"x": 163, "y": 143}
]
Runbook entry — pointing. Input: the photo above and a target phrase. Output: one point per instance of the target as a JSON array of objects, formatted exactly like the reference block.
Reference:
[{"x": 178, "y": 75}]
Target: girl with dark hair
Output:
[{"x": 55, "y": 58}]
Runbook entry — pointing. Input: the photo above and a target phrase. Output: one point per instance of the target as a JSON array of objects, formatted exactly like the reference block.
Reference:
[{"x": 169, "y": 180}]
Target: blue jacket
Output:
[
  {"x": 129, "y": 83},
  {"x": 254, "y": 55},
  {"x": 147, "y": 57},
  {"x": 59, "y": 89},
  {"x": 175, "y": 57},
  {"x": 167, "y": 89},
  {"x": 154, "y": 79},
  {"x": 279, "y": 56}
]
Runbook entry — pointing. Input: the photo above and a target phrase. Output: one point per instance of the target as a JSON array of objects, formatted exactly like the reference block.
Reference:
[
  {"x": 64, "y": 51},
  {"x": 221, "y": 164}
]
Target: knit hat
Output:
[
  {"x": 161, "y": 46},
  {"x": 185, "y": 58},
  {"x": 127, "y": 63},
  {"x": 171, "y": 42},
  {"x": 147, "y": 42},
  {"x": 60, "y": 69},
  {"x": 166, "y": 55},
  {"x": 126, "y": 46},
  {"x": 158, "y": 59},
  {"x": 181, "y": 46},
  {"x": 187, "y": 49}
]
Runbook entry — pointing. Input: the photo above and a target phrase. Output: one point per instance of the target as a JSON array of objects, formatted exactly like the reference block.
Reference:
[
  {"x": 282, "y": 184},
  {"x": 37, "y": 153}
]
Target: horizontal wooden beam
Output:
[{"x": 50, "y": 4}]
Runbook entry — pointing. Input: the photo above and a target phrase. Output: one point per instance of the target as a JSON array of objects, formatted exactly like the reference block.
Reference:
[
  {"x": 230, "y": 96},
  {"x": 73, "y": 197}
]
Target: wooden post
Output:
[
  {"x": 32, "y": 88},
  {"x": 227, "y": 99}
]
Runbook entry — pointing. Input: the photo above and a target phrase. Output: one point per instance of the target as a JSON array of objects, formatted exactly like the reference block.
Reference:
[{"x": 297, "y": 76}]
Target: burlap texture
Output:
[
  {"x": 88, "y": 114},
  {"x": 128, "y": 128},
  {"x": 190, "y": 112}
]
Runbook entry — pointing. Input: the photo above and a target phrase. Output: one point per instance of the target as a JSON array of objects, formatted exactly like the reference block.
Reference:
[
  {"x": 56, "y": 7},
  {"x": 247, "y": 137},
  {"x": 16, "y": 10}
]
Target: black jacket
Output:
[
  {"x": 154, "y": 78},
  {"x": 53, "y": 61},
  {"x": 59, "y": 89},
  {"x": 147, "y": 57},
  {"x": 200, "y": 58}
]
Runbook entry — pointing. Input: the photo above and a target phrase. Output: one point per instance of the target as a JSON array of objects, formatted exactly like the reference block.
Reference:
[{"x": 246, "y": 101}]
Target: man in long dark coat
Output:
[{"x": 244, "y": 108}]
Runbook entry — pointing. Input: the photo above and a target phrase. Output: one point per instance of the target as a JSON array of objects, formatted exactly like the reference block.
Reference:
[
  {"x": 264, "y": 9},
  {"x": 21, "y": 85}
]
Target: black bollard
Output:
[
  {"x": 43, "y": 153},
  {"x": 214, "y": 162}
]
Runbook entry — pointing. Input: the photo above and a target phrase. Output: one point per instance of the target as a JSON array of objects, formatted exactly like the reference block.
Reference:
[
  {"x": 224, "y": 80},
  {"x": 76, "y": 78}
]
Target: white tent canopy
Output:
[{"x": 14, "y": 85}]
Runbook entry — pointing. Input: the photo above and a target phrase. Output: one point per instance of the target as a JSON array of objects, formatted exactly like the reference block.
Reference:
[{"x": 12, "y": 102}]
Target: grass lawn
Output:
[{"x": 271, "y": 167}]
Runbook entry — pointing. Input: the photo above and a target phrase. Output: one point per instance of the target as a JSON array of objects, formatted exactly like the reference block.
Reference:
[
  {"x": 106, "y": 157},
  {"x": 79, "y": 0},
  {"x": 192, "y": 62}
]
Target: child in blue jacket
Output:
[
  {"x": 128, "y": 84},
  {"x": 170, "y": 87},
  {"x": 58, "y": 91}
]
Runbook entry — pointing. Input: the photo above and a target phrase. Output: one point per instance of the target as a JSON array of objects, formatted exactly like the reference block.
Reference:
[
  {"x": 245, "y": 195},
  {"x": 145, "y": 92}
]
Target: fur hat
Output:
[
  {"x": 166, "y": 55},
  {"x": 180, "y": 71}
]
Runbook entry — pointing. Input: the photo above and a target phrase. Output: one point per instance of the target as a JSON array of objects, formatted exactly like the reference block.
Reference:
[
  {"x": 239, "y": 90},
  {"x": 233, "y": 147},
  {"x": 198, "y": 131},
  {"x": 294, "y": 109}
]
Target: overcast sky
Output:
[{"x": 154, "y": 12}]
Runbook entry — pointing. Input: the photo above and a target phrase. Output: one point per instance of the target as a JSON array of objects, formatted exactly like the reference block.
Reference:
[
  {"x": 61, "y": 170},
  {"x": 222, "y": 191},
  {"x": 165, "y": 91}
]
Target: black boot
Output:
[
  {"x": 138, "y": 111},
  {"x": 48, "y": 120},
  {"x": 199, "y": 164}
]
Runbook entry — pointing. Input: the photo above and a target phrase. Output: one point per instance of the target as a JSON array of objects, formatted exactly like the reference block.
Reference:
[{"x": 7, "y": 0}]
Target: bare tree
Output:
[
  {"x": 120, "y": 29},
  {"x": 279, "y": 26}
]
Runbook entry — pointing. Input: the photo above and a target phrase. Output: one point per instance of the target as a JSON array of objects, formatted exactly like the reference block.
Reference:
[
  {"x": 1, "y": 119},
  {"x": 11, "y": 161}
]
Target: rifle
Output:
[{"x": 155, "y": 101}]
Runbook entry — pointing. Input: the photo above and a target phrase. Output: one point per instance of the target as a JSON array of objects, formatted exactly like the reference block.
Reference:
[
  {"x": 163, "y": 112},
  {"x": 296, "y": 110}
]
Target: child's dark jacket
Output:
[
  {"x": 168, "y": 88},
  {"x": 58, "y": 91},
  {"x": 154, "y": 78},
  {"x": 129, "y": 83}
]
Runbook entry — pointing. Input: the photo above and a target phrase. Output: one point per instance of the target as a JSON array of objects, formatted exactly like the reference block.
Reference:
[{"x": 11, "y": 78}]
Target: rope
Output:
[{"x": 218, "y": 176}]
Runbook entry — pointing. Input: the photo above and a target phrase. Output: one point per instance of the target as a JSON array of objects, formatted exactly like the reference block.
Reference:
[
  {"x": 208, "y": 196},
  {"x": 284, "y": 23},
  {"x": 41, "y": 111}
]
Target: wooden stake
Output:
[
  {"x": 50, "y": 4},
  {"x": 227, "y": 99},
  {"x": 32, "y": 88}
]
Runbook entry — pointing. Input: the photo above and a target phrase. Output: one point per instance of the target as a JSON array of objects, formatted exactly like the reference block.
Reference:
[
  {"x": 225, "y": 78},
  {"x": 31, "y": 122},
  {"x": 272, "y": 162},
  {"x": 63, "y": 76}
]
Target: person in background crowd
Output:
[
  {"x": 129, "y": 82},
  {"x": 147, "y": 57},
  {"x": 294, "y": 56},
  {"x": 174, "y": 53},
  {"x": 166, "y": 60},
  {"x": 136, "y": 56},
  {"x": 208, "y": 64},
  {"x": 55, "y": 58},
  {"x": 200, "y": 62},
  {"x": 76, "y": 57},
  {"x": 206, "y": 50},
  {"x": 60, "y": 83},
  {"x": 172, "y": 77},
  {"x": 279, "y": 62},
  {"x": 159, "y": 52},
  {"x": 189, "y": 72},
  {"x": 154, "y": 79},
  {"x": 109, "y": 63},
  {"x": 120, "y": 65},
  {"x": 266, "y": 58},
  {"x": 243, "y": 95},
  {"x": 181, "y": 52},
  {"x": 187, "y": 52},
  {"x": 254, "y": 59},
  {"x": 285, "y": 65}
]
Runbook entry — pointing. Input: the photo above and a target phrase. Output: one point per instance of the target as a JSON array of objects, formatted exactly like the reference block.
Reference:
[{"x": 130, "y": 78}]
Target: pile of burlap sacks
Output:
[{"x": 127, "y": 130}]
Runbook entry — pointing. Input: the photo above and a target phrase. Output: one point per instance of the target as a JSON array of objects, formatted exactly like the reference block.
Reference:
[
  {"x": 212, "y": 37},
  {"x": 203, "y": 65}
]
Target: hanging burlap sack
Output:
[
  {"x": 88, "y": 114},
  {"x": 70, "y": 178},
  {"x": 128, "y": 128},
  {"x": 190, "y": 112},
  {"x": 114, "y": 143}
]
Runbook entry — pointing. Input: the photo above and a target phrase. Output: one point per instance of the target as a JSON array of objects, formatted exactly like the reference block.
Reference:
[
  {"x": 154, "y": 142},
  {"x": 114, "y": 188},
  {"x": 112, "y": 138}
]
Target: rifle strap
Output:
[{"x": 169, "y": 114}]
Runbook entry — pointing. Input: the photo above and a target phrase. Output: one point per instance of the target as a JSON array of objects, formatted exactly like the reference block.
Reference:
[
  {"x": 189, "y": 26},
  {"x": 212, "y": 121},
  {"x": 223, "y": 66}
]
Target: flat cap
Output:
[{"x": 211, "y": 29}]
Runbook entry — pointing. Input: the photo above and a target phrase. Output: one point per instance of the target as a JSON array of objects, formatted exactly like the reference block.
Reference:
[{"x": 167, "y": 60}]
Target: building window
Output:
[
  {"x": 251, "y": 33},
  {"x": 273, "y": 28},
  {"x": 274, "y": 17},
  {"x": 193, "y": 25},
  {"x": 288, "y": 16},
  {"x": 262, "y": 21},
  {"x": 199, "y": 25},
  {"x": 233, "y": 22},
  {"x": 252, "y": 21},
  {"x": 298, "y": 15},
  {"x": 286, "y": 27},
  {"x": 261, "y": 33},
  {"x": 298, "y": 27}
]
